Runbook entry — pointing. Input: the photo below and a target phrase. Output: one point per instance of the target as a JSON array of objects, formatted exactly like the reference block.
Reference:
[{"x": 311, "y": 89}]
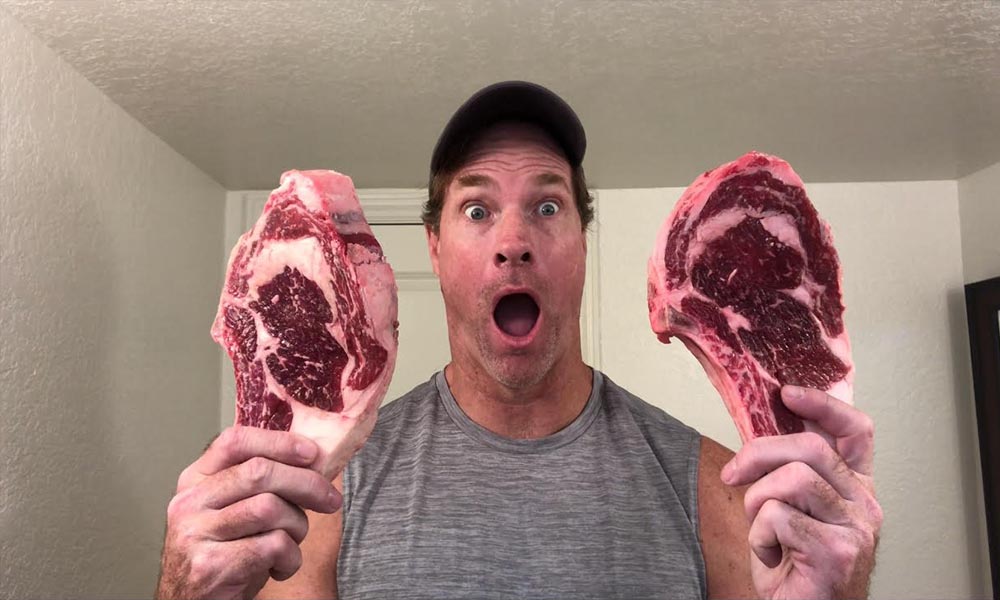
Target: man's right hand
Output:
[{"x": 237, "y": 516}]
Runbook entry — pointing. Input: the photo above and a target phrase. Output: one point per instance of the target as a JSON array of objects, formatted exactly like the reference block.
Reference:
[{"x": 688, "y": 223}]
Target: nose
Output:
[
  {"x": 514, "y": 256},
  {"x": 514, "y": 246}
]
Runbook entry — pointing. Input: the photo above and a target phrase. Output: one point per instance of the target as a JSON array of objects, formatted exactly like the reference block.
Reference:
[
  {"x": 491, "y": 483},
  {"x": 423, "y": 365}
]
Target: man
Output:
[{"x": 518, "y": 471}]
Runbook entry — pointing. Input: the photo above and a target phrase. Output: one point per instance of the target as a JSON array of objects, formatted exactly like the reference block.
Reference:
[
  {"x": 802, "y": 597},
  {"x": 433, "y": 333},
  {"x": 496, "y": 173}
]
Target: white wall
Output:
[
  {"x": 979, "y": 205},
  {"x": 108, "y": 377},
  {"x": 901, "y": 248}
]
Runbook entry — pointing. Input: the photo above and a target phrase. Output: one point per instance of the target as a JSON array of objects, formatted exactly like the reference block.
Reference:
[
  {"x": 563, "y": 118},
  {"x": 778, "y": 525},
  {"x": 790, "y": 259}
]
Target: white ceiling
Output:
[{"x": 844, "y": 90}]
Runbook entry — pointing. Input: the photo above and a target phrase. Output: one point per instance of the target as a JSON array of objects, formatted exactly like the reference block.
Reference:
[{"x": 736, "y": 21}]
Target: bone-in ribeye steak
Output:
[
  {"x": 744, "y": 272},
  {"x": 308, "y": 316}
]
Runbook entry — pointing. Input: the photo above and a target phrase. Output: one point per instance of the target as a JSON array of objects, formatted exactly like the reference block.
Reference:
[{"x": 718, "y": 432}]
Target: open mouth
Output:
[{"x": 516, "y": 314}]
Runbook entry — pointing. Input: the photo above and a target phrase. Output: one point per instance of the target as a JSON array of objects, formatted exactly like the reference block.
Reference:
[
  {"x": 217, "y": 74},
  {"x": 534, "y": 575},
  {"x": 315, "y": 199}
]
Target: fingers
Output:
[
  {"x": 300, "y": 486},
  {"x": 825, "y": 554},
  {"x": 780, "y": 529},
  {"x": 236, "y": 518},
  {"x": 763, "y": 455},
  {"x": 237, "y": 444},
  {"x": 258, "y": 514},
  {"x": 772, "y": 525},
  {"x": 854, "y": 430},
  {"x": 245, "y": 563},
  {"x": 277, "y": 553},
  {"x": 799, "y": 486}
]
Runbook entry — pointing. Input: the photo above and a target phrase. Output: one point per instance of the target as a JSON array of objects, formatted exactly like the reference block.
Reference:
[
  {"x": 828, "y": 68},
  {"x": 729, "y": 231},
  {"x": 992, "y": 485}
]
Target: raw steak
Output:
[
  {"x": 745, "y": 273},
  {"x": 308, "y": 316}
]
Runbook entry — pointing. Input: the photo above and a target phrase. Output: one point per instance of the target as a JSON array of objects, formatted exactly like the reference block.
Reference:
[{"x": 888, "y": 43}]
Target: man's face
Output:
[{"x": 511, "y": 256}]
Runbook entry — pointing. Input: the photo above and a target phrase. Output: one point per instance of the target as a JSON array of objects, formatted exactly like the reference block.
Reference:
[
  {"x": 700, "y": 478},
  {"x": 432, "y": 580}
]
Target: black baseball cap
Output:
[{"x": 512, "y": 101}]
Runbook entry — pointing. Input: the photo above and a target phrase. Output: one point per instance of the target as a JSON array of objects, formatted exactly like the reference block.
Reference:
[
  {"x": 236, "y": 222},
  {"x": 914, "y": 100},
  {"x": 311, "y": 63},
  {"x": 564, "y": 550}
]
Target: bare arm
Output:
[
  {"x": 317, "y": 577},
  {"x": 723, "y": 527}
]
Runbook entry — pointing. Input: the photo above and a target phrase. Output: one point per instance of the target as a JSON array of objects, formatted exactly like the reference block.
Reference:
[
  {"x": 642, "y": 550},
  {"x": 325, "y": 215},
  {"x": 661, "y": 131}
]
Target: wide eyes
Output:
[
  {"x": 547, "y": 209},
  {"x": 475, "y": 212}
]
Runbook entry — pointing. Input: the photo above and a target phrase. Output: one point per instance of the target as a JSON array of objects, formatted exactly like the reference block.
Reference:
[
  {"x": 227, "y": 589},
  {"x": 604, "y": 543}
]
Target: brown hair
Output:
[{"x": 437, "y": 187}]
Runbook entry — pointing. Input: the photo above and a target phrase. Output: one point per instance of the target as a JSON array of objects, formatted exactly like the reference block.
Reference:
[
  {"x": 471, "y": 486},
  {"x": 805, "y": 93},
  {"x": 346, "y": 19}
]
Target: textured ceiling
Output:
[{"x": 845, "y": 90}]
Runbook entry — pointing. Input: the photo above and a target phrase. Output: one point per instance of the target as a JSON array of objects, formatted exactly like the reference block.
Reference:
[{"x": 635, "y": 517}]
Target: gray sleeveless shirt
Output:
[{"x": 436, "y": 506}]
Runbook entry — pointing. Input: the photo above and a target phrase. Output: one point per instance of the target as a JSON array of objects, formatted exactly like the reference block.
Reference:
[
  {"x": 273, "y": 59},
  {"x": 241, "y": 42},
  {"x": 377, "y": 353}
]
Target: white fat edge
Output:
[
  {"x": 711, "y": 230},
  {"x": 357, "y": 401},
  {"x": 801, "y": 295},
  {"x": 695, "y": 196},
  {"x": 340, "y": 199},
  {"x": 782, "y": 226},
  {"x": 226, "y": 298},
  {"x": 840, "y": 346},
  {"x": 361, "y": 255},
  {"x": 720, "y": 379},
  {"x": 691, "y": 199},
  {"x": 304, "y": 254},
  {"x": 671, "y": 298},
  {"x": 735, "y": 319},
  {"x": 339, "y": 435},
  {"x": 806, "y": 294},
  {"x": 270, "y": 383},
  {"x": 317, "y": 423},
  {"x": 347, "y": 393},
  {"x": 380, "y": 292},
  {"x": 843, "y": 391},
  {"x": 305, "y": 190},
  {"x": 784, "y": 172}
]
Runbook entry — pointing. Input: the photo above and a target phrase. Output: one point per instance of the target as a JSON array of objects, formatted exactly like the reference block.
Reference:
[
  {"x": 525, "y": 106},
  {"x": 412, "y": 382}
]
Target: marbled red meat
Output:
[
  {"x": 745, "y": 273},
  {"x": 308, "y": 317}
]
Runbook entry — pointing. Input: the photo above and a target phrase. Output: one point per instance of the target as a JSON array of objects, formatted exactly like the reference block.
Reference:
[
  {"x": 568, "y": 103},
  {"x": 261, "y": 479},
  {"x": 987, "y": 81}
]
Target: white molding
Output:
[
  {"x": 393, "y": 206},
  {"x": 590, "y": 330},
  {"x": 417, "y": 281},
  {"x": 382, "y": 206}
]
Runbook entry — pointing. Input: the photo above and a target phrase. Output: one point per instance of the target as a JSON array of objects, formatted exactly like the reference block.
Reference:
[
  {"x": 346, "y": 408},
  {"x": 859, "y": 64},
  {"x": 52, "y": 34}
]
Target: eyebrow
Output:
[
  {"x": 474, "y": 180},
  {"x": 551, "y": 179},
  {"x": 479, "y": 180}
]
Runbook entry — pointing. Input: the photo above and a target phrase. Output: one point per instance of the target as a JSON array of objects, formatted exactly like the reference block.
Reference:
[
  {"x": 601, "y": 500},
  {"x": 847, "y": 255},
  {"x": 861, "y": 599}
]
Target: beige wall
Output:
[
  {"x": 110, "y": 273},
  {"x": 979, "y": 205},
  {"x": 108, "y": 378},
  {"x": 901, "y": 248}
]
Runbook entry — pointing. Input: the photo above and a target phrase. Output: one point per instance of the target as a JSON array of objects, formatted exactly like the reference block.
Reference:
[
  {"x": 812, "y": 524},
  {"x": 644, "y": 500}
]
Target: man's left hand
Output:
[{"x": 814, "y": 520}]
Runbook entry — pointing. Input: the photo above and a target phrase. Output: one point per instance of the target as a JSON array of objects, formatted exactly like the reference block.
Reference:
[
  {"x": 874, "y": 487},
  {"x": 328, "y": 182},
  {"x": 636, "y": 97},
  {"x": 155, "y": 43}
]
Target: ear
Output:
[{"x": 433, "y": 243}]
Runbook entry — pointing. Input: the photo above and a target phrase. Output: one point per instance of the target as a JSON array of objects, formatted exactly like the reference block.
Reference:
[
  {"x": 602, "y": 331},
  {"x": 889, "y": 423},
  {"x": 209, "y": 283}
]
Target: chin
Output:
[
  {"x": 519, "y": 371},
  {"x": 519, "y": 379}
]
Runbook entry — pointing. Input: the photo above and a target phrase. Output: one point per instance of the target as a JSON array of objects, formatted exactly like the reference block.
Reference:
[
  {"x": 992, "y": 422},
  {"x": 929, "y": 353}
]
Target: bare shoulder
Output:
[
  {"x": 722, "y": 526},
  {"x": 317, "y": 578}
]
